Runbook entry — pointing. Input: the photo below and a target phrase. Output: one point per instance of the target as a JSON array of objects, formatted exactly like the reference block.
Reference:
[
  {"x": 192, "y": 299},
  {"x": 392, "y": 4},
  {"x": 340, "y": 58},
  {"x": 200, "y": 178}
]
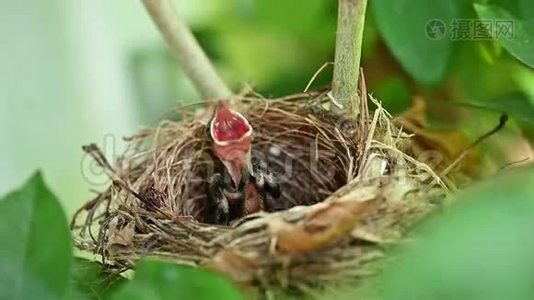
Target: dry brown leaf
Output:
[
  {"x": 121, "y": 239},
  {"x": 320, "y": 228},
  {"x": 239, "y": 267},
  {"x": 449, "y": 144}
]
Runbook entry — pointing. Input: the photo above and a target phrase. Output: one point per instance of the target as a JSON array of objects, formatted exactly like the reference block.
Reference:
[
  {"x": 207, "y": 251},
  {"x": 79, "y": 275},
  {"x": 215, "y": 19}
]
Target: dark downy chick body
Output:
[{"x": 244, "y": 186}]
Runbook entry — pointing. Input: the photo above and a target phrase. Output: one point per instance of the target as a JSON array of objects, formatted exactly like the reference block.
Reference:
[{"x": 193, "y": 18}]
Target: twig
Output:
[
  {"x": 513, "y": 163},
  {"x": 502, "y": 122},
  {"x": 363, "y": 118},
  {"x": 326, "y": 64},
  {"x": 186, "y": 49},
  {"x": 350, "y": 22}
]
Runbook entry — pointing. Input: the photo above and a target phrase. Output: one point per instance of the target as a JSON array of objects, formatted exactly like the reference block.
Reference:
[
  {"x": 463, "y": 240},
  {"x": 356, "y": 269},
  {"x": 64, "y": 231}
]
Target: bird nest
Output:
[{"x": 349, "y": 186}]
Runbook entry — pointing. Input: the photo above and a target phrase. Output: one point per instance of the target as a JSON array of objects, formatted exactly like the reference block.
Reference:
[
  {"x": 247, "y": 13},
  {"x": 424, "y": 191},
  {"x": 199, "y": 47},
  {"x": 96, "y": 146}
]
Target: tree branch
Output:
[
  {"x": 350, "y": 22},
  {"x": 186, "y": 49}
]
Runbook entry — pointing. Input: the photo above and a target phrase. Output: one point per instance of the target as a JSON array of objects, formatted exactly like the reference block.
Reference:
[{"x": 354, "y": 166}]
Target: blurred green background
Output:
[{"x": 75, "y": 72}]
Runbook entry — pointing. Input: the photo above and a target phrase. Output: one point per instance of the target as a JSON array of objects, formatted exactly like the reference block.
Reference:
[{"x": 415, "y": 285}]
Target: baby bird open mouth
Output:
[{"x": 251, "y": 188}]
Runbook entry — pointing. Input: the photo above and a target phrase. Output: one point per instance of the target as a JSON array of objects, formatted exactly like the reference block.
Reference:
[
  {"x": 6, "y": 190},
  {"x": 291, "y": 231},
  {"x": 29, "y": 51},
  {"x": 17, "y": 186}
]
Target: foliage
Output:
[
  {"x": 36, "y": 252},
  {"x": 521, "y": 45},
  {"x": 159, "y": 280},
  {"x": 516, "y": 104},
  {"x": 90, "y": 281},
  {"x": 403, "y": 23},
  {"x": 480, "y": 248}
]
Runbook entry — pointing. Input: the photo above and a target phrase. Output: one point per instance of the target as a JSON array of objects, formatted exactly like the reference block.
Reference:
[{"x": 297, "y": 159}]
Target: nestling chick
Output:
[{"x": 244, "y": 186}]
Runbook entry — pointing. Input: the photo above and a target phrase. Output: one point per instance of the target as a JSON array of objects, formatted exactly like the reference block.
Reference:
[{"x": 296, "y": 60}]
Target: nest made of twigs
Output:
[{"x": 350, "y": 189}]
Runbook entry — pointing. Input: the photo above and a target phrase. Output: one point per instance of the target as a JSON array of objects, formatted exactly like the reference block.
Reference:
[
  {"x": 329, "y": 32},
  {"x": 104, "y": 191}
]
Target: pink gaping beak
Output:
[{"x": 232, "y": 136}]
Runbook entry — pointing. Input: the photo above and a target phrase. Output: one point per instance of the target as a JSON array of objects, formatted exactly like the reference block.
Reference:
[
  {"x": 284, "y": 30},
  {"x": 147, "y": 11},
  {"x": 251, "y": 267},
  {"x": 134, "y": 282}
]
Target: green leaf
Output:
[
  {"x": 527, "y": 9},
  {"x": 517, "y": 105},
  {"x": 35, "y": 251},
  {"x": 88, "y": 281},
  {"x": 406, "y": 26},
  {"x": 158, "y": 280},
  {"x": 524, "y": 9},
  {"x": 521, "y": 43},
  {"x": 480, "y": 248}
]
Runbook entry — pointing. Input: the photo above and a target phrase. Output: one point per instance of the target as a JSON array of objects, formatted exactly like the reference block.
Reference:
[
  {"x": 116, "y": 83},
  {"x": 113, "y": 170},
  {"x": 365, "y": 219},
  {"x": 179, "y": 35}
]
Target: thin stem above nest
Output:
[
  {"x": 186, "y": 49},
  {"x": 350, "y": 22}
]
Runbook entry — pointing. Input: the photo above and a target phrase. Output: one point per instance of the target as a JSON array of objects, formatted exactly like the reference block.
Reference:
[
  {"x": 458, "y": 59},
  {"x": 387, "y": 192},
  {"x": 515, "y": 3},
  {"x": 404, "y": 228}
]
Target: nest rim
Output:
[{"x": 234, "y": 250}]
